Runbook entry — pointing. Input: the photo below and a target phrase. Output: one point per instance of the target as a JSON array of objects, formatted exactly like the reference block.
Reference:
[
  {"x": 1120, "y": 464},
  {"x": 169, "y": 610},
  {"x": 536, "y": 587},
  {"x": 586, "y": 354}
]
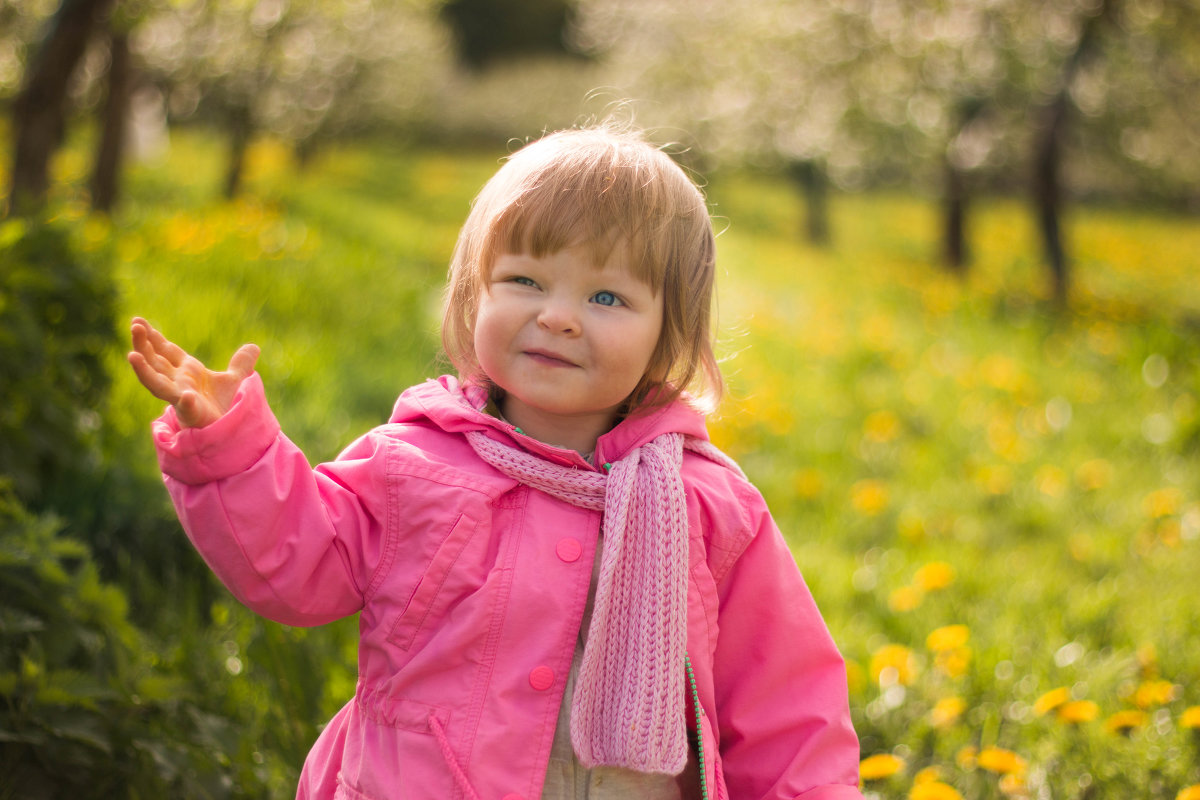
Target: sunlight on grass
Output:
[{"x": 897, "y": 417}]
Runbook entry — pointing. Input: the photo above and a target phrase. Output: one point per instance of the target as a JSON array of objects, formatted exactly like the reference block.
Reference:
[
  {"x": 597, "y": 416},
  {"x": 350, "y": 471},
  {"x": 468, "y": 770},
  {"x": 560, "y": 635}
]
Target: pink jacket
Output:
[{"x": 472, "y": 588}]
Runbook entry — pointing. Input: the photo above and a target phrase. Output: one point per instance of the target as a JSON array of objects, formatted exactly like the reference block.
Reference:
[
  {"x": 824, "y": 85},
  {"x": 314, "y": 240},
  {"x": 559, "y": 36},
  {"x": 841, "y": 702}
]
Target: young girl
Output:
[{"x": 565, "y": 590}]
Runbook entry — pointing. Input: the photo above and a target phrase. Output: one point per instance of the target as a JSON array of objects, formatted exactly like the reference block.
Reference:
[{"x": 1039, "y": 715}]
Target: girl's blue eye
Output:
[
  {"x": 524, "y": 281},
  {"x": 606, "y": 299}
]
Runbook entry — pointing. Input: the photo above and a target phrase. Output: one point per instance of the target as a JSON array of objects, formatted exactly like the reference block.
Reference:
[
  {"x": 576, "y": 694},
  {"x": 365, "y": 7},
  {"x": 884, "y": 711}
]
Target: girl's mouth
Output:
[{"x": 549, "y": 358}]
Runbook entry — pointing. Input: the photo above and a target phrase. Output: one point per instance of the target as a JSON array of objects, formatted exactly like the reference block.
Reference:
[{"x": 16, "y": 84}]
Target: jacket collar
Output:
[{"x": 456, "y": 408}]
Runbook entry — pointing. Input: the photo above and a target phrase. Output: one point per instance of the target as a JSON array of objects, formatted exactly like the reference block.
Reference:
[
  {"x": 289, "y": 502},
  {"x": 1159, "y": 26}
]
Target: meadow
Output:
[{"x": 995, "y": 501}]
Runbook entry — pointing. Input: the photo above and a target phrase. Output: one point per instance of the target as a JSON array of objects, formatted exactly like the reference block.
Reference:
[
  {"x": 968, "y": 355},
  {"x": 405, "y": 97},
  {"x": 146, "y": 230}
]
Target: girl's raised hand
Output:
[{"x": 200, "y": 396}]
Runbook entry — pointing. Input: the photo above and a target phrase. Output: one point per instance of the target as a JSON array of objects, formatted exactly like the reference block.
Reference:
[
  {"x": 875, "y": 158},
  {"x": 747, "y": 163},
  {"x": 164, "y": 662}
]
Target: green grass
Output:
[
  {"x": 1044, "y": 462},
  {"x": 897, "y": 417}
]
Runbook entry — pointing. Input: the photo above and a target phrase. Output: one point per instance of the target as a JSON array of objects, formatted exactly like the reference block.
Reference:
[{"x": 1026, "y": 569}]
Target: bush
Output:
[
  {"x": 89, "y": 709},
  {"x": 57, "y": 317},
  {"x": 95, "y": 705}
]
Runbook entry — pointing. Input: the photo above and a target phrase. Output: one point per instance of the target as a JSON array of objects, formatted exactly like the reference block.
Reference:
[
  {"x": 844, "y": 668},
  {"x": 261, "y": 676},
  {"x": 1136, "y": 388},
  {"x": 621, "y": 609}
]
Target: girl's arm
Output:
[
  {"x": 294, "y": 544},
  {"x": 780, "y": 681}
]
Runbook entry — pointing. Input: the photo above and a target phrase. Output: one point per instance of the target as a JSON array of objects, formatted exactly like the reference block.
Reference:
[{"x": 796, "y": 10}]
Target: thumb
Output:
[{"x": 243, "y": 361}]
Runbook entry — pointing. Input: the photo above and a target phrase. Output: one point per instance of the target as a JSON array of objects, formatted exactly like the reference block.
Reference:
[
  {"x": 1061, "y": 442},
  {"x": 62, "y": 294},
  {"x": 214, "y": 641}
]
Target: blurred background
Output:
[
  {"x": 960, "y": 322},
  {"x": 1091, "y": 98}
]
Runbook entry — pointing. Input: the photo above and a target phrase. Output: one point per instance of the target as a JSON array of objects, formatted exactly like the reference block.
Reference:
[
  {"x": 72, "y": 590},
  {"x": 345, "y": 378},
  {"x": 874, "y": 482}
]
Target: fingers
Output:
[
  {"x": 144, "y": 344},
  {"x": 153, "y": 345},
  {"x": 243, "y": 361},
  {"x": 155, "y": 361},
  {"x": 157, "y": 383}
]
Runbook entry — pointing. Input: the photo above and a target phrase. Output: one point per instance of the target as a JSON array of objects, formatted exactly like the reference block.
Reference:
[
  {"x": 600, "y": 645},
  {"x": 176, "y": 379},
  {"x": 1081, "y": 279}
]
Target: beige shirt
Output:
[{"x": 567, "y": 779}]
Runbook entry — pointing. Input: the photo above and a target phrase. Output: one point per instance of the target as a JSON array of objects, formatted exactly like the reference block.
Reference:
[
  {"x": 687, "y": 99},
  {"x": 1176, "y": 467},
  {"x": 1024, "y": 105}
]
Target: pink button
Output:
[
  {"x": 569, "y": 549},
  {"x": 541, "y": 678}
]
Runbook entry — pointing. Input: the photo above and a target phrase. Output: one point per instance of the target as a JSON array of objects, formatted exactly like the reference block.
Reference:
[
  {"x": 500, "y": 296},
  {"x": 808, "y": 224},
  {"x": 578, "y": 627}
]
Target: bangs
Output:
[
  {"x": 603, "y": 197},
  {"x": 547, "y": 222}
]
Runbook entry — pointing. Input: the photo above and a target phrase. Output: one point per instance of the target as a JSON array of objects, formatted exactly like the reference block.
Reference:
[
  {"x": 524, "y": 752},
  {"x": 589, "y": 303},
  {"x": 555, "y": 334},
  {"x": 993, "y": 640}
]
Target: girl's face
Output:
[{"x": 566, "y": 341}]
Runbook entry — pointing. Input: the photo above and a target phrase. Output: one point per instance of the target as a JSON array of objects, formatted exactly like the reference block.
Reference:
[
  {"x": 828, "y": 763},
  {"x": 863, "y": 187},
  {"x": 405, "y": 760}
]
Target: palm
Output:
[{"x": 199, "y": 395}]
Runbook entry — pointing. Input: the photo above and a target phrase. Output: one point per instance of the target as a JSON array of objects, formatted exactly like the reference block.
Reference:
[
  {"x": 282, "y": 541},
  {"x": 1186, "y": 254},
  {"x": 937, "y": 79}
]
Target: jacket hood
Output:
[{"x": 456, "y": 407}]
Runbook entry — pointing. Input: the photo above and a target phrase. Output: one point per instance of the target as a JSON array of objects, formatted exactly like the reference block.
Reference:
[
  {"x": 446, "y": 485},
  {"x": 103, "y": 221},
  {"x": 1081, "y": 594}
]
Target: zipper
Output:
[{"x": 687, "y": 665}]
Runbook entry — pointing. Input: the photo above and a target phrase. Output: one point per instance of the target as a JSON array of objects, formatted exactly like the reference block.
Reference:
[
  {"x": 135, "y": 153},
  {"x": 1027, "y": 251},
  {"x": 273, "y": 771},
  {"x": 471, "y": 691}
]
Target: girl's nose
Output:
[{"x": 559, "y": 316}]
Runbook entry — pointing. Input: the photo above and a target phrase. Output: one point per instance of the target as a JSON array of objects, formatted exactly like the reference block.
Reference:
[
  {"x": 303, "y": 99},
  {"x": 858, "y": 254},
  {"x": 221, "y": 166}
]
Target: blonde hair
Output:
[{"x": 598, "y": 188}]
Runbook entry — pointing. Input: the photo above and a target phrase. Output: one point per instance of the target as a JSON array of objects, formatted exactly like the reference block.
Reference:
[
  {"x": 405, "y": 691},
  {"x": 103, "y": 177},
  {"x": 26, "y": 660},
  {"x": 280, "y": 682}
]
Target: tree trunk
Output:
[
  {"x": 39, "y": 111},
  {"x": 304, "y": 151},
  {"x": 956, "y": 192},
  {"x": 1047, "y": 153},
  {"x": 239, "y": 139},
  {"x": 810, "y": 177},
  {"x": 954, "y": 231},
  {"x": 1047, "y": 194},
  {"x": 111, "y": 150}
]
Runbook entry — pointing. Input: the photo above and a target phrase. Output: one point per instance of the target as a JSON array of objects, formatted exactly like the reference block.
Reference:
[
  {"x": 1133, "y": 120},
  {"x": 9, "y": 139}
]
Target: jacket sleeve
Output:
[
  {"x": 780, "y": 682},
  {"x": 294, "y": 544}
]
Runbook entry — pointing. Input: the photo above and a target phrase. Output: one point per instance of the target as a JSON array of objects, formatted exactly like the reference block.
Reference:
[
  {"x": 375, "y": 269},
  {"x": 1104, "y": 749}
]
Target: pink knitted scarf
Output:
[{"x": 628, "y": 705}]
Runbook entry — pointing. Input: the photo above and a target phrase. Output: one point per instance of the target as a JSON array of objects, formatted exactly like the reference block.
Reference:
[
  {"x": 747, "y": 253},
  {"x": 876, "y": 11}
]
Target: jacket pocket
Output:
[
  {"x": 425, "y": 596},
  {"x": 389, "y": 747},
  {"x": 400, "y": 712}
]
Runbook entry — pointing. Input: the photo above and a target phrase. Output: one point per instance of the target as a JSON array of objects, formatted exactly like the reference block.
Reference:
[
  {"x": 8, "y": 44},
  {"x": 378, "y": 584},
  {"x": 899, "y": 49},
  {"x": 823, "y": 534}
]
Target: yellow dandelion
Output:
[
  {"x": 1103, "y": 338},
  {"x": 1170, "y": 532},
  {"x": 948, "y": 637},
  {"x": 933, "y": 576},
  {"x": 1050, "y": 480},
  {"x": 1051, "y": 700},
  {"x": 947, "y": 711},
  {"x": 881, "y": 426},
  {"x": 1094, "y": 474},
  {"x": 869, "y": 497},
  {"x": 893, "y": 663},
  {"x": 265, "y": 157},
  {"x": 878, "y": 332},
  {"x": 808, "y": 483},
  {"x": 954, "y": 662},
  {"x": 1013, "y": 785},
  {"x": 1004, "y": 440},
  {"x": 1190, "y": 718},
  {"x": 1153, "y": 693},
  {"x": 967, "y": 757},
  {"x": 994, "y": 479},
  {"x": 1125, "y": 721},
  {"x": 1189, "y": 792},
  {"x": 1078, "y": 711},
  {"x": 933, "y": 790},
  {"x": 939, "y": 298},
  {"x": 1001, "y": 761},
  {"x": 928, "y": 775},
  {"x": 1002, "y": 373},
  {"x": 1163, "y": 502},
  {"x": 906, "y": 598},
  {"x": 179, "y": 231},
  {"x": 878, "y": 767}
]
